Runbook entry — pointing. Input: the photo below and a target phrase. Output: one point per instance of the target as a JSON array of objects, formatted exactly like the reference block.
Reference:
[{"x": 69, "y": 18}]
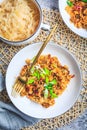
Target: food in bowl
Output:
[
  {"x": 19, "y": 19},
  {"x": 77, "y": 9},
  {"x": 48, "y": 79}
]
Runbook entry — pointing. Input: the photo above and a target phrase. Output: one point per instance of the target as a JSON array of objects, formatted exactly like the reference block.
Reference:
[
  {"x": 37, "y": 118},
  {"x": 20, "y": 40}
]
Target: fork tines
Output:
[{"x": 17, "y": 88}]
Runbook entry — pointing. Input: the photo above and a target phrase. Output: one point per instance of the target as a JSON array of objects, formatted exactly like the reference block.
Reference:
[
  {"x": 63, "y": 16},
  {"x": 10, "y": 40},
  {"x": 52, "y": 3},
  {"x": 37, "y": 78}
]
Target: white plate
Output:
[
  {"x": 63, "y": 102},
  {"x": 66, "y": 18}
]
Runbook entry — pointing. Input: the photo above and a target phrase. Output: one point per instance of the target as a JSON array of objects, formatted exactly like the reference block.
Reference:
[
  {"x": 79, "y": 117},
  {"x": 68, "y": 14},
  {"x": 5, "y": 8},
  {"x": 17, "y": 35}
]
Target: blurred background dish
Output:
[
  {"x": 20, "y": 21},
  {"x": 65, "y": 7}
]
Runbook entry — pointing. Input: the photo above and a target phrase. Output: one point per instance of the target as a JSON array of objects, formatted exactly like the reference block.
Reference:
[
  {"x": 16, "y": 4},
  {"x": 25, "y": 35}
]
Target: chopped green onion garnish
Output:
[
  {"x": 45, "y": 93},
  {"x": 51, "y": 91},
  {"x": 53, "y": 82},
  {"x": 47, "y": 80},
  {"x": 54, "y": 95},
  {"x": 42, "y": 75},
  {"x": 36, "y": 74},
  {"x": 69, "y": 3},
  {"x": 48, "y": 86},
  {"x": 46, "y": 71},
  {"x": 84, "y": 1},
  {"x": 30, "y": 81}
]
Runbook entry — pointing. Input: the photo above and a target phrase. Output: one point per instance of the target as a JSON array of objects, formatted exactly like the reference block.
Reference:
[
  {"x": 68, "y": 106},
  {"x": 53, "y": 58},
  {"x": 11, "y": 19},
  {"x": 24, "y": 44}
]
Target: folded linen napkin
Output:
[{"x": 10, "y": 117}]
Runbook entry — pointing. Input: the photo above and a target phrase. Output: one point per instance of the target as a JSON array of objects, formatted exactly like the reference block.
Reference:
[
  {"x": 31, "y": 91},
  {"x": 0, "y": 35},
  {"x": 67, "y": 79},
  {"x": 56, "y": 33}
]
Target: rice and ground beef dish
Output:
[
  {"x": 47, "y": 80},
  {"x": 77, "y": 9}
]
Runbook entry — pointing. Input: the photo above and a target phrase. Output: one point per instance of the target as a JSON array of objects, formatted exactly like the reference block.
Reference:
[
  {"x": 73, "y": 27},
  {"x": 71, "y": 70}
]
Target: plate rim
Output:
[
  {"x": 80, "y": 87},
  {"x": 59, "y": 7}
]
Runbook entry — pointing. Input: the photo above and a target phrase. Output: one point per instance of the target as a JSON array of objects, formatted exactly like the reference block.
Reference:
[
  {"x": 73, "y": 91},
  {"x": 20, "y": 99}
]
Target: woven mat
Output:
[{"x": 76, "y": 45}]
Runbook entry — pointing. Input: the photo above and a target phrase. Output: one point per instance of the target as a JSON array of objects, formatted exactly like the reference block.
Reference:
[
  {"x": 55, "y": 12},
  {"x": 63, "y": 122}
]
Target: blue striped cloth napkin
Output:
[{"x": 10, "y": 117}]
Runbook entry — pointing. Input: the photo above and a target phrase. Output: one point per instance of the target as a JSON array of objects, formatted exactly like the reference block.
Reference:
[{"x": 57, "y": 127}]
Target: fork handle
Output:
[{"x": 42, "y": 47}]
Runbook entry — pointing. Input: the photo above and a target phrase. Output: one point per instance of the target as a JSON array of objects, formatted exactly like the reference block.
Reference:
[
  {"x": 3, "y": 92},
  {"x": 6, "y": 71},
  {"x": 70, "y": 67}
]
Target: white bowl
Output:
[
  {"x": 33, "y": 36},
  {"x": 65, "y": 101}
]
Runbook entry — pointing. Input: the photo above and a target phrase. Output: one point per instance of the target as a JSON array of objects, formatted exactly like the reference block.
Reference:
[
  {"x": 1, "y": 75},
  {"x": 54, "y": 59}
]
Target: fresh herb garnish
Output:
[
  {"x": 53, "y": 95},
  {"x": 46, "y": 93},
  {"x": 46, "y": 79},
  {"x": 30, "y": 81},
  {"x": 49, "y": 87},
  {"x": 42, "y": 75},
  {"x": 84, "y": 1},
  {"x": 39, "y": 72},
  {"x": 69, "y": 3},
  {"x": 46, "y": 71},
  {"x": 36, "y": 73},
  {"x": 53, "y": 82}
]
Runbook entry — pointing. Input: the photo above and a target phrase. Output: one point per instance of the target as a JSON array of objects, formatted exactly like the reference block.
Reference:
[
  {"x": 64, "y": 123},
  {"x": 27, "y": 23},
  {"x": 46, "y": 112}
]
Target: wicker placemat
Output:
[{"x": 76, "y": 45}]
